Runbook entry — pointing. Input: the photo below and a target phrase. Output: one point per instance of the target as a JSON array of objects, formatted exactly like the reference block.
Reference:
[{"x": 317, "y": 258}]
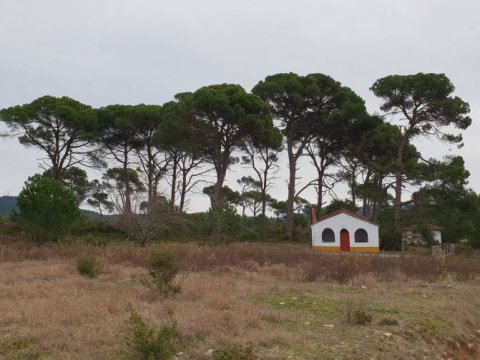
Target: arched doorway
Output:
[{"x": 344, "y": 240}]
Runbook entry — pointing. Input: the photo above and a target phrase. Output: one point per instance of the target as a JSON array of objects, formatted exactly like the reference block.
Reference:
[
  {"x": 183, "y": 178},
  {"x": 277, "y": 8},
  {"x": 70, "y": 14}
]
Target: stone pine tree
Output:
[
  {"x": 262, "y": 157},
  {"x": 176, "y": 137},
  {"x": 300, "y": 104},
  {"x": 118, "y": 140},
  {"x": 223, "y": 117},
  {"x": 153, "y": 160},
  {"x": 426, "y": 108},
  {"x": 61, "y": 128}
]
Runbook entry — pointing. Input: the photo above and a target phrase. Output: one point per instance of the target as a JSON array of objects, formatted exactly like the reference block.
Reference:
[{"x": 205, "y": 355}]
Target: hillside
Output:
[{"x": 8, "y": 203}]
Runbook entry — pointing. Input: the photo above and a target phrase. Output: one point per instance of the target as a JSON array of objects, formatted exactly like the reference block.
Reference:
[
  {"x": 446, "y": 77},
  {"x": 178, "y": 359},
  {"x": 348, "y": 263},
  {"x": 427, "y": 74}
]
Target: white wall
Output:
[
  {"x": 348, "y": 222},
  {"x": 437, "y": 235}
]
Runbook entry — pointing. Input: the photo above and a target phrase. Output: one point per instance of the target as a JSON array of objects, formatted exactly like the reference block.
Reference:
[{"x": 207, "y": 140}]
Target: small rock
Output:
[
  {"x": 210, "y": 352},
  {"x": 282, "y": 303},
  {"x": 180, "y": 354},
  {"x": 363, "y": 287},
  {"x": 388, "y": 335},
  {"x": 424, "y": 295},
  {"x": 307, "y": 323},
  {"x": 294, "y": 298},
  {"x": 329, "y": 325},
  {"x": 478, "y": 331},
  {"x": 470, "y": 346}
]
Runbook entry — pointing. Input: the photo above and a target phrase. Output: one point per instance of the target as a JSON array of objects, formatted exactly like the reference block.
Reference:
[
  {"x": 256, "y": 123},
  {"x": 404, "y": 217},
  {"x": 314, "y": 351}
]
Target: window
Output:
[
  {"x": 361, "y": 236},
  {"x": 328, "y": 236}
]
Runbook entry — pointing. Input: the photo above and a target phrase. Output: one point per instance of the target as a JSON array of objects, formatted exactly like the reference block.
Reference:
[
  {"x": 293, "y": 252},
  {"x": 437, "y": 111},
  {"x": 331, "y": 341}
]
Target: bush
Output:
[
  {"x": 87, "y": 266},
  {"x": 249, "y": 235},
  {"x": 46, "y": 209},
  {"x": 223, "y": 221},
  {"x": 163, "y": 269},
  {"x": 356, "y": 315},
  {"x": 150, "y": 343},
  {"x": 234, "y": 353}
]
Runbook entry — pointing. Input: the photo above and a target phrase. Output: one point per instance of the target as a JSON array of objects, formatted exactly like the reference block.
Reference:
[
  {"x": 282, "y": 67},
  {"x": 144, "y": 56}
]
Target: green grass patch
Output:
[
  {"x": 21, "y": 349},
  {"x": 323, "y": 308}
]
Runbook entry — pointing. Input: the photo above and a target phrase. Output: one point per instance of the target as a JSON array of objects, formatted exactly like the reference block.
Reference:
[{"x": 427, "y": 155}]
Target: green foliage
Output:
[
  {"x": 73, "y": 178},
  {"x": 426, "y": 99},
  {"x": 336, "y": 205},
  {"x": 87, "y": 266},
  {"x": 163, "y": 269},
  {"x": 301, "y": 220},
  {"x": 426, "y": 107},
  {"x": 249, "y": 235},
  {"x": 447, "y": 202},
  {"x": 224, "y": 117},
  {"x": 60, "y": 127},
  {"x": 46, "y": 209},
  {"x": 427, "y": 235},
  {"x": 223, "y": 222},
  {"x": 234, "y": 353},
  {"x": 229, "y": 196},
  {"x": 150, "y": 343},
  {"x": 310, "y": 107}
]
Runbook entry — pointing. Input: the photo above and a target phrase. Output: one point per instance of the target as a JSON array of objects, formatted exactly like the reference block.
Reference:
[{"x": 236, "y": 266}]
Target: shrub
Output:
[
  {"x": 249, "y": 235},
  {"x": 234, "y": 353},
  {"x": 46, "y": 209},
  {"x": 356, "y": 315},
  {"x": 155, "y": 220},
  {"x": 87, "y": 266},
  {"x": 150, "y": 343},
  {"x": 163, "y": 269},
  {"x": 223, "y": 222},
  {"x": 95, "y": 240}
]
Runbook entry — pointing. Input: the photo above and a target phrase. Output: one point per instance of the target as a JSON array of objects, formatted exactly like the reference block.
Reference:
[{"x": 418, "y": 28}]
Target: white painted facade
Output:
[
  {"x": 350, "y": 222},
  {"x": 437, "y": 235}
]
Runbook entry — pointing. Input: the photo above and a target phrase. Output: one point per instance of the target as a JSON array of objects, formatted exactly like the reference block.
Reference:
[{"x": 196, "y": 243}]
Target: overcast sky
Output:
[{"x": 146, "y": 51}]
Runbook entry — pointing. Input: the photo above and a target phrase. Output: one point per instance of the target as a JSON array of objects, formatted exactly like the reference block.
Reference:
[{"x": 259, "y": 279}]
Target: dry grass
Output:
[
  {"x": 298, "y": 261},
  {"x": 276, "y": 299}
]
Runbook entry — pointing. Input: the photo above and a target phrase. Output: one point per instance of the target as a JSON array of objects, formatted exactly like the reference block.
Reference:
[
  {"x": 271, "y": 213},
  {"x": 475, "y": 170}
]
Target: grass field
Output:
[{"x": 277, "y": 301}]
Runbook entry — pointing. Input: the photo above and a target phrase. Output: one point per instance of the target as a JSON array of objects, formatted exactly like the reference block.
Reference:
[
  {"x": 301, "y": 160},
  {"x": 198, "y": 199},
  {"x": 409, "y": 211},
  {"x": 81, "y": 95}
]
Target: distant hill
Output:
[{"x": 8, "y": 203}]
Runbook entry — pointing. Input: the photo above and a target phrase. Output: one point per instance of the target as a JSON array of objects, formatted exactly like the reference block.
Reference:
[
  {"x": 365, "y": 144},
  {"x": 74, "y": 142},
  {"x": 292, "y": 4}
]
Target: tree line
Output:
[{"x": 143, "y": 147}]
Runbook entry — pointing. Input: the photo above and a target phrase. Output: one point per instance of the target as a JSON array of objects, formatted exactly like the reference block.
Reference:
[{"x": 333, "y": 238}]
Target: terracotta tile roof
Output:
[{"x": 347, "y": 212}]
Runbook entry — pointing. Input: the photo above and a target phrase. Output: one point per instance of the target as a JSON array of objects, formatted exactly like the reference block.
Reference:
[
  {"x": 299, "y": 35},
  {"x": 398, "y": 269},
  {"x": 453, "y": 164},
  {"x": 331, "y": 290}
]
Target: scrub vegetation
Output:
[{"x": 253, "y": 300}]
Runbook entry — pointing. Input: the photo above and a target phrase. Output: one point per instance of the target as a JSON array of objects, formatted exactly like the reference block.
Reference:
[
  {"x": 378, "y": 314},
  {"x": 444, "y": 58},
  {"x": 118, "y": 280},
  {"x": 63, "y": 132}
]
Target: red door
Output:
[{"x": 344, "y": 240}]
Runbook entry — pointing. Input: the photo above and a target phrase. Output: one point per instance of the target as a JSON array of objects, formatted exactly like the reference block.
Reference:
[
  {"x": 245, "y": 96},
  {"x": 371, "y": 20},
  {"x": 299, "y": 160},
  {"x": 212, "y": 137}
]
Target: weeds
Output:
[
  {"x": 150, "y": 343},
  {"x": 163, "y": 269},
  {"x": 355, "y": 314},
  {"x": 234, "y": 353},
  {"x": 298, "y": 262},
  {"x": 386, "y": 321},
  {"x": 87, "y": 266}
]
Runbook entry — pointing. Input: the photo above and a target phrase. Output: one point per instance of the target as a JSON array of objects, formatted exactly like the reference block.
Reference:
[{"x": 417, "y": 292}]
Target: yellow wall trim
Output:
[
  {"x": 373, "y": 250},
  {"x": 365, "y": 249}
]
